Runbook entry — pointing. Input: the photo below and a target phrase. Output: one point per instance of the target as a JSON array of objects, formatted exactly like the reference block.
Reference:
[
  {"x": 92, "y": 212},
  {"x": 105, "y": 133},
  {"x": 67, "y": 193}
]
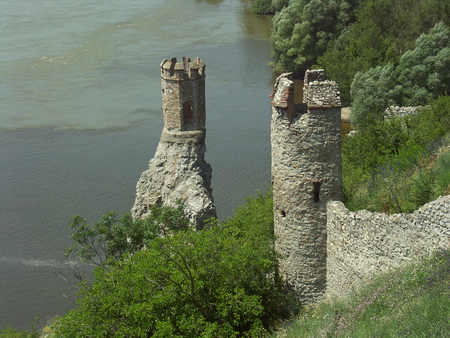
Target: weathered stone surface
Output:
[
  {"x": 362, "y": 244},
  {"x": 178, "y": 171},
  {"x": 400, "y": 112},
  {"x": 306, "y": 174}
]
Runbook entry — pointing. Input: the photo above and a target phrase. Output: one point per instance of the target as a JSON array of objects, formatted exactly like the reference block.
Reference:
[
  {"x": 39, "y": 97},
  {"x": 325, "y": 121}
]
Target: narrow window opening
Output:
[
  {"x": 316, "y": 191},
  {"x": 188, "y": 115}
]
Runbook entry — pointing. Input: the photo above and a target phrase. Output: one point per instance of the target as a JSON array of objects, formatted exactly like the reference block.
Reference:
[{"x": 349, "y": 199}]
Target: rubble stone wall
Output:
[{"x": 362, "y": 244}]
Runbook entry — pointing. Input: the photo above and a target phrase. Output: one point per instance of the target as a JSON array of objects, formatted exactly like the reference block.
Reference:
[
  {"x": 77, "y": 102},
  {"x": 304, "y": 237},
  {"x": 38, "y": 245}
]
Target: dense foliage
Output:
[
  {"x": 383, "y": 32},
  {"x": 263, "y": 7},
  {"x": 220, "y": 282},
  {"x": 303, "y": 29},
  {"x": 348, "y": 36},
  {"x": 421, "y": 74},
  {"x": 387, "y": 166}
]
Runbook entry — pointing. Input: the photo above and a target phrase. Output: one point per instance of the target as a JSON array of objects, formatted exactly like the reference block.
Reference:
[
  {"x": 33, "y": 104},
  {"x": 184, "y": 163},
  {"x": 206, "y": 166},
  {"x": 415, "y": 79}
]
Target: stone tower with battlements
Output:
[
  {"x": 306, "y": 174},
  {"x": 178, "y": 171}
]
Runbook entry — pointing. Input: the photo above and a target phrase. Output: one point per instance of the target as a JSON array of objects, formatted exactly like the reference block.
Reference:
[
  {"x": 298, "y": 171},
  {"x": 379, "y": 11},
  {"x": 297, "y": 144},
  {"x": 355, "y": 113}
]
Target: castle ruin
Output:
[
  {"x": 178, "y": 171},
  {"x": 325, "y": 249},
  {"x": 306, "y": 175}
]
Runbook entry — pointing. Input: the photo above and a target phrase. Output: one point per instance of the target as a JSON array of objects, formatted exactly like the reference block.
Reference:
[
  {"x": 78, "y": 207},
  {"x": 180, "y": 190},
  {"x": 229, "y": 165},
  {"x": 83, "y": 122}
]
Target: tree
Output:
[
  {"x": 383, "y": 32},
  {"x": 263, "y": 7},
  {"x": 110, "y": 238},
  {"x": 372, "y": 94},
  {"x": 422, "y": 74},
  {"x": 220, "y": 282},
  {"x": 303, "y": 29}
]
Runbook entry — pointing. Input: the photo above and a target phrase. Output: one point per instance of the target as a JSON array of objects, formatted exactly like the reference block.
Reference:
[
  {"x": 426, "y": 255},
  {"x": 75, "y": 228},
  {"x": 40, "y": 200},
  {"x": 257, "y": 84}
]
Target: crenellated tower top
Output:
[
  {"x": 185, "y": 70},
  {"x": 183, "y": 94}
]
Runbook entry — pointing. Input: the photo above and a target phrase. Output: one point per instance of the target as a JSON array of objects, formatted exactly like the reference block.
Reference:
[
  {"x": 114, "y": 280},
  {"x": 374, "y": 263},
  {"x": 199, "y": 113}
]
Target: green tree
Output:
[
  {"x": 263, "y": 7},
  {"x": 279, "y": 4},
  {"x": 220, "y": 282},
  {"x": 422, "y": 74},
  {"x": 383, "y": 32},
  {"x": 110, "y": 238},
  {"x": 302, "y": 30},
  {"x": 372, "y": 94}
]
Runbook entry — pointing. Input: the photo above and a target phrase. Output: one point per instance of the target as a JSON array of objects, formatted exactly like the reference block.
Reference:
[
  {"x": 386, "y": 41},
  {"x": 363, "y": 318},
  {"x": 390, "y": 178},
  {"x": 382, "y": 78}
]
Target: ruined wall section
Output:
[
  {"x": 306, "y": 174},
  {"x": 362, "y": 244},
  {"x": 178, "y": 171},
  {"x": 401, "y": 112}
]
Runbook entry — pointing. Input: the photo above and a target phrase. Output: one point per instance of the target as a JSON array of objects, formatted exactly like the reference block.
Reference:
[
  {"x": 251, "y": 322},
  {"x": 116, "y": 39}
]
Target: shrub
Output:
[{"x": 220, "y": 282}]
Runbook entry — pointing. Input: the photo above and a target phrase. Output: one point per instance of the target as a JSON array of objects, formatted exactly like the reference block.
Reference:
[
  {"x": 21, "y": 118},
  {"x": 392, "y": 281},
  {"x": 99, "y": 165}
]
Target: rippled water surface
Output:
[{"x": 80, "y": 112}]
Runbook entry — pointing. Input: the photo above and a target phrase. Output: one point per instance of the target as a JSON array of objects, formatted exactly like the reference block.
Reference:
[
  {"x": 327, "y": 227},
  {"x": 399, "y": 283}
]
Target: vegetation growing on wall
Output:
[{"x": 220, "y": 282}]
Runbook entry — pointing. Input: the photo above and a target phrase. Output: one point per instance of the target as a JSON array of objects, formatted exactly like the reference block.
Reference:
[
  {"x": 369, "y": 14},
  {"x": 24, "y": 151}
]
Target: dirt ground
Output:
[{"x": 345, "y": 114}]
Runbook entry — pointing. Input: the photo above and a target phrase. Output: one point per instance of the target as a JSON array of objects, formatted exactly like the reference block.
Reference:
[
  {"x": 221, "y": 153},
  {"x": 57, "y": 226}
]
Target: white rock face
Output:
[{"x": 178, "y": 172}]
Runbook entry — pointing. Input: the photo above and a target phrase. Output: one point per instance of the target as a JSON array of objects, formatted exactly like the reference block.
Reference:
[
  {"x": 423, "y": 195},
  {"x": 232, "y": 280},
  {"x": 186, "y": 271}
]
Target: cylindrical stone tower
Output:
[{"x": 306, "y": 174}]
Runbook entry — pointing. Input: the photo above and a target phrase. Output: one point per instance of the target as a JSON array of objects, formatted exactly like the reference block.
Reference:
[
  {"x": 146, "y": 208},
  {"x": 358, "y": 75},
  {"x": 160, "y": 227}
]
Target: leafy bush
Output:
[{"x": 220, "y": 282}]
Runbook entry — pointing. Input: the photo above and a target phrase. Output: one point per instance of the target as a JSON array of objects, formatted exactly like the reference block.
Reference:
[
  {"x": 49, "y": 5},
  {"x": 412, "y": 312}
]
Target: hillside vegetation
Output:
[
  {"x": 382, "y": 53},
  {"x": 398, "y": 165},
  {"x": 348, "y": 36}
]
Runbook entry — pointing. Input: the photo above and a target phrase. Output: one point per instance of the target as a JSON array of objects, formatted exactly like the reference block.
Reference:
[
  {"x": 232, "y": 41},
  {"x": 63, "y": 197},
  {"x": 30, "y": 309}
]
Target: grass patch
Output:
[{"x": 407, "y": 302}]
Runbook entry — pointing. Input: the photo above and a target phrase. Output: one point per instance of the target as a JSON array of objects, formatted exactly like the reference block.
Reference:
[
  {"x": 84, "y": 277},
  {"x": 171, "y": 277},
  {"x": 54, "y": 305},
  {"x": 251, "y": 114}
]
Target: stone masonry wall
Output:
[
  {"x": 362, "y": 244},
  {"x": 400, "y": 112},
  {"x": 306, "y": 174}
]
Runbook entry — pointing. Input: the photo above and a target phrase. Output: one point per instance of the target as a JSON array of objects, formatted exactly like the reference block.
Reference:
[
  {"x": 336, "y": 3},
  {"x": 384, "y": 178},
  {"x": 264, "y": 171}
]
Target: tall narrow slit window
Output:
[
  {"x": 188, "y": 115},
  {"x": 316, "y": 191}
]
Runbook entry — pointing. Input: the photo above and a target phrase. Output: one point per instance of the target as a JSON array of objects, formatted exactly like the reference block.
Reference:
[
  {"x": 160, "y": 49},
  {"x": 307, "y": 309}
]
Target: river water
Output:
[{"x": 81, "y": 117}]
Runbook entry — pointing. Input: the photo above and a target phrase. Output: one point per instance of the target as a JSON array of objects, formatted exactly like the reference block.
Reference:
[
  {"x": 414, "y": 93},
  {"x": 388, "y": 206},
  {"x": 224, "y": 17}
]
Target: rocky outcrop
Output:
[{"x": 178, "y": 172}]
